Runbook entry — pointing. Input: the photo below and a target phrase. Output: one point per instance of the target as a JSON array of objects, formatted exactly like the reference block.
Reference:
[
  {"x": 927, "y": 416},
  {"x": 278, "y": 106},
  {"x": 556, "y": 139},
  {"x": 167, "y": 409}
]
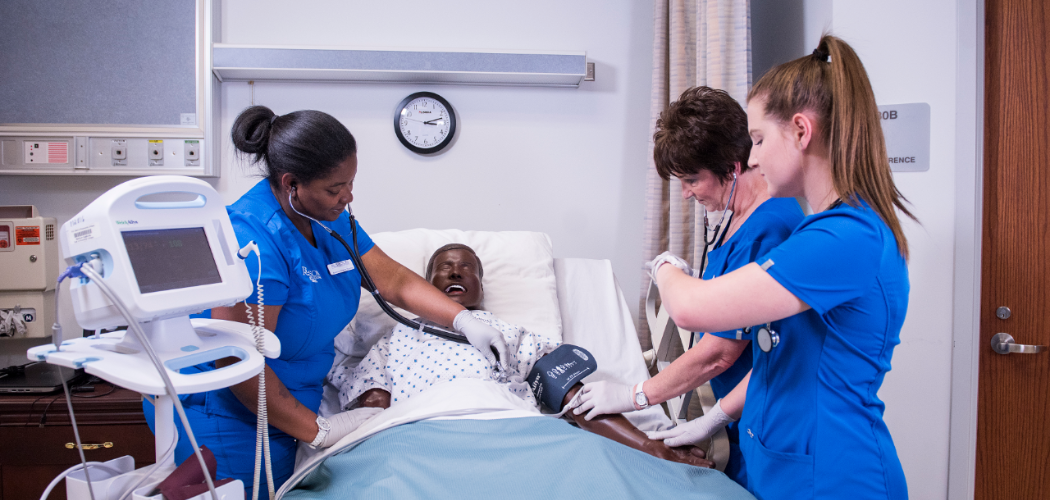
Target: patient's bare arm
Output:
[
  {"x": 621, "y": 430},
  {"x": 374, "y": 398}
]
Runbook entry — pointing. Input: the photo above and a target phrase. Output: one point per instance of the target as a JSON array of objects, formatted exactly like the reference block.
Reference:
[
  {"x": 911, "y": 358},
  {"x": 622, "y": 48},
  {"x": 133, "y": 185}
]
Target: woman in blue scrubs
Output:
[
  {"x": 702, "y": 140},
  {"x": 310, "y": 292},
  {"x": 812, "y": 426}
]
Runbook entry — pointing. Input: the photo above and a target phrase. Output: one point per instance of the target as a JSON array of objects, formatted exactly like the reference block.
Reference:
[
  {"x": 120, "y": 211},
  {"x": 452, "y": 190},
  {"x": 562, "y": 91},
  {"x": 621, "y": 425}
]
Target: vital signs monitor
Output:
[
  {"x": 147, "y": 254},
  {"x": 163, "y": 258}
]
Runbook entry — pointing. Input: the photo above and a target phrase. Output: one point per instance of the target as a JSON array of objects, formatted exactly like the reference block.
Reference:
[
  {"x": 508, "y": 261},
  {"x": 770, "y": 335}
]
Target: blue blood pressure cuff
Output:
[{"x": 554, "y": 374}]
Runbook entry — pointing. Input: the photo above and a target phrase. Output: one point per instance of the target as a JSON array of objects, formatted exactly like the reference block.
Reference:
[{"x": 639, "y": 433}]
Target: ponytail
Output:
[{"x": 833, "y": 84}]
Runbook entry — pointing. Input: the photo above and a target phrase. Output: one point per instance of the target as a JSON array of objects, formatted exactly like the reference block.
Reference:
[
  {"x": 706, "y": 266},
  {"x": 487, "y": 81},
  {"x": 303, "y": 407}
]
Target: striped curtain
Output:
[{"x": 697, "y": 42}]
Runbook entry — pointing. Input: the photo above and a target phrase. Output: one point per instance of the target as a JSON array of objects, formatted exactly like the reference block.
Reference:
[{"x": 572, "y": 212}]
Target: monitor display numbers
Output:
[{"x": 171, "y": 259}]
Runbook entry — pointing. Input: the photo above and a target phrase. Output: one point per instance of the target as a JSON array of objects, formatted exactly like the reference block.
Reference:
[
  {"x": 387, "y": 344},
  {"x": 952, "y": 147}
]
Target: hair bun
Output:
[{"x": 251, "y": 131}]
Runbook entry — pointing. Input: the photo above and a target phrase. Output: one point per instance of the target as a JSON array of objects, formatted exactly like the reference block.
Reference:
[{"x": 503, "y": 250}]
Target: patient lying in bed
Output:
[{"x": 407, "y": 362}]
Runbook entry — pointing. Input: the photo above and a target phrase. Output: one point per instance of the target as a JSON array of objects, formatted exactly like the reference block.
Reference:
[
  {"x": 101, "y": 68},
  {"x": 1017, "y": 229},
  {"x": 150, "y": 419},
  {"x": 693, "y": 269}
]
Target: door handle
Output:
[
  {"x": 1003, "y": 343},
  {"x": 88, "y": 446}
]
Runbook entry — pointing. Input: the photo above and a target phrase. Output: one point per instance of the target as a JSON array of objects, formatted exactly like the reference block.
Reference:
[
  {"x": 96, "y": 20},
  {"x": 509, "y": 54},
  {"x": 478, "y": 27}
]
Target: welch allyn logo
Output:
[{"x": 126, "y": 222}]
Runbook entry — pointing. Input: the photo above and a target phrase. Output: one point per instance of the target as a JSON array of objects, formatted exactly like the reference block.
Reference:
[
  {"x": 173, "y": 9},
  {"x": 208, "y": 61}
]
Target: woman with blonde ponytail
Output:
[{"x": 812, "y": 426}]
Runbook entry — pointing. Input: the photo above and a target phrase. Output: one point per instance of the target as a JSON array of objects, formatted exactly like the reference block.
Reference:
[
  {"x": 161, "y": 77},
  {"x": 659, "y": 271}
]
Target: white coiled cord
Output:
[{"x": 262, "y": 434}]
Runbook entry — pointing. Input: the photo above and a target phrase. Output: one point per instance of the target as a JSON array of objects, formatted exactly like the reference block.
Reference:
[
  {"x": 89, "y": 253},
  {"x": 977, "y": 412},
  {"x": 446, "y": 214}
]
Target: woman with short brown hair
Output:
[{"x": 702, "y": 140}]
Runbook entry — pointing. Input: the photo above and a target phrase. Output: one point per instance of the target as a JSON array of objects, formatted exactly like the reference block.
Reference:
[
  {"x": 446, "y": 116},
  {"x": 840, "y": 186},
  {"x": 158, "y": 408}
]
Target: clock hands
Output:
[{"x": 427, "y": 122}]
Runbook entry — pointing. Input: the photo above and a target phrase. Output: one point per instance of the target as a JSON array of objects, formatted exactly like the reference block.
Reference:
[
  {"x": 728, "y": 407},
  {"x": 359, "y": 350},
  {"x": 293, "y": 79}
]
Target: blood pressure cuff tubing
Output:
[{"x": 554, "y": 374}]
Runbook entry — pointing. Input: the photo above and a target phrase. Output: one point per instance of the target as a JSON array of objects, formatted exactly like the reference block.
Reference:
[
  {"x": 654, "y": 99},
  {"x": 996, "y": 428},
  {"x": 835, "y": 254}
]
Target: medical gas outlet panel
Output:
[
  {"x": 104, "y": 156},
  {"x": 28, "y": 272}
]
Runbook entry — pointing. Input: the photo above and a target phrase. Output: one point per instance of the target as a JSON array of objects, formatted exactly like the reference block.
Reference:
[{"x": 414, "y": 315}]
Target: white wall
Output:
[{"x": 568, "y": 162}]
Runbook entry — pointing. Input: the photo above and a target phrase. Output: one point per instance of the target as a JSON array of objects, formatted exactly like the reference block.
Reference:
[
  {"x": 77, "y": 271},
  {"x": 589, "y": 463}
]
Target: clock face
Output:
[{"x": 425, "y": 122}]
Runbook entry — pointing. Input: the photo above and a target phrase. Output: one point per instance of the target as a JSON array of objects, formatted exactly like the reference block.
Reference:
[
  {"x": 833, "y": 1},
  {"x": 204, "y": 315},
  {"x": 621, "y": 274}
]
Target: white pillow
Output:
[{"x": 519, "y": 283}]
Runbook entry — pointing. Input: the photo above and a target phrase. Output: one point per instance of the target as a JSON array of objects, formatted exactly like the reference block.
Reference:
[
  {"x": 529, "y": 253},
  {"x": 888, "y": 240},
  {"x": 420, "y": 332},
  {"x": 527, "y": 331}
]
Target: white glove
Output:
[
  {"x": 604, "y": 398},
  {"x": 694, "y": 431},
  {"x": 482, "y": 336},
  {"x": 667, "y": 258},
  {"x": 346, "y": 422}
]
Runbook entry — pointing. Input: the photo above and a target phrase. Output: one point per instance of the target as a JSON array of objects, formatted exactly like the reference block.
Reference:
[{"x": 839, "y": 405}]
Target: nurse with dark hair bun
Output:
[{"x": 311, "y": 292}]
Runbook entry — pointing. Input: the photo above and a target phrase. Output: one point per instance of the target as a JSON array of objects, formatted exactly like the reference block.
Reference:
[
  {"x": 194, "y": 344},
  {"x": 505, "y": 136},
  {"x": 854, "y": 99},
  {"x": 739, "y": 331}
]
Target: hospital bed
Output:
[{"x": 471, "y": 438}]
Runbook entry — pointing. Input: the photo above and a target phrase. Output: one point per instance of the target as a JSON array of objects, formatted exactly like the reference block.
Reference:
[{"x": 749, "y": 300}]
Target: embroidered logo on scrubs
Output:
[{"x": 313, "y": 275}]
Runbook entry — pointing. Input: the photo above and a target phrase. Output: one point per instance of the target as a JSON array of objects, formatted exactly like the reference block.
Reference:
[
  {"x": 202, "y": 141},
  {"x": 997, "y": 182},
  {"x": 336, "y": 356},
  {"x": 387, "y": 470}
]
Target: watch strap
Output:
[
  {"x": 639, "y": 392},
  {"x": 323, "y": 428}
]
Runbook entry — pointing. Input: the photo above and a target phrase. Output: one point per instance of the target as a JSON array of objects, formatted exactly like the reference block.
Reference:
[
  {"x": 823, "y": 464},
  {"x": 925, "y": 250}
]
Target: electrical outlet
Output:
[
  {"x": 192, "y": 153},
  {"x": 156, "y": 153},
  {"x": 119, "y": 152}
]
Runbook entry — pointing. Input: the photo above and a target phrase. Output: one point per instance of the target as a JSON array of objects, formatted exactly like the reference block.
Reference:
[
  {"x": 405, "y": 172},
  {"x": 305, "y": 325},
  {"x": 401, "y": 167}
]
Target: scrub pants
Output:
[{"x": 233, "y": 442}]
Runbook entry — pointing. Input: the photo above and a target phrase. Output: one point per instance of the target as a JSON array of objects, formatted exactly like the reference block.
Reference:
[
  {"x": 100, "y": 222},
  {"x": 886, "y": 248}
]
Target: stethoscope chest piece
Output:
[{"x": 767, "y": 338}]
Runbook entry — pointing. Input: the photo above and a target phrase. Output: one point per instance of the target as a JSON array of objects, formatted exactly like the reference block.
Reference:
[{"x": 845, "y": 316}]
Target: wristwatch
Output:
[
  {"x": 323, "y": 427},
  {"x": 640, "y": 399}
]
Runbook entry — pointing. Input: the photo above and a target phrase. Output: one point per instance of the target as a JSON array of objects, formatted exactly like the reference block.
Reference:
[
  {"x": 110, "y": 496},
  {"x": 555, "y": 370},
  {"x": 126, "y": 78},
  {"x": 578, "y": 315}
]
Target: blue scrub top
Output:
[
  {"x": 316, "y": 305},
  {"x": 768, "y": 226},
  {"x": 812, "y": 426}
]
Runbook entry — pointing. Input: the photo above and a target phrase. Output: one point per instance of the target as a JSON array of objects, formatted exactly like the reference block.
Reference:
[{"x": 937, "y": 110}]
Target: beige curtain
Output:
[{"x": 697, "y": 42}]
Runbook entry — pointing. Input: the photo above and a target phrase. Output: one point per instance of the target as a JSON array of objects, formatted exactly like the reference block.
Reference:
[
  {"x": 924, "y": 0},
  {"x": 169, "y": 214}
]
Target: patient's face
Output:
[{"x": 456, "y": 273}]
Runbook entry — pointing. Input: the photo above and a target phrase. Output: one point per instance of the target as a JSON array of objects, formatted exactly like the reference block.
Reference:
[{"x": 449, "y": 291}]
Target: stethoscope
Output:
[
  {"x": 718, "y": 225},
  {"x": 366, "y": 281},
  {"x": 768, "y": 338}
]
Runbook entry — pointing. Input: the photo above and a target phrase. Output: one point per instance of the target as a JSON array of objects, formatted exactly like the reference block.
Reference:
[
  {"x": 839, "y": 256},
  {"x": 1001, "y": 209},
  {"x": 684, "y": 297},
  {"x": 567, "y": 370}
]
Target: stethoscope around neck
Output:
[
  {"x": 368, "y": 284},
  {"x": 766, "y": 337},
  {"x": 718, "y": 226}
]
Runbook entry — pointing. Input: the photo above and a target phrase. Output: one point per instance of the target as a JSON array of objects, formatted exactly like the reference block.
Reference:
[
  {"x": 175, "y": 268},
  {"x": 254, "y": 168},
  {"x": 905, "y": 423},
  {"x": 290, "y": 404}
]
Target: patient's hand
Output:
[
  {"x": 691, "y": 455},
  {"x": 375, "y": 398},
  {"x": 621, "y": 430}
]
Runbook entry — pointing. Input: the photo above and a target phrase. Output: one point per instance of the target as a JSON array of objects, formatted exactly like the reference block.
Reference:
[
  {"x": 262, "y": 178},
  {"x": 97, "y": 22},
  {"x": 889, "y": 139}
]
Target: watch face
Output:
[{"x": 425, "y": 122}]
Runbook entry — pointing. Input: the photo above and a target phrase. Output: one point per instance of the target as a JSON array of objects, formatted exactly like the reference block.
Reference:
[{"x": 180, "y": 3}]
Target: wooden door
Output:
[{"x": 1013, "y": 422}]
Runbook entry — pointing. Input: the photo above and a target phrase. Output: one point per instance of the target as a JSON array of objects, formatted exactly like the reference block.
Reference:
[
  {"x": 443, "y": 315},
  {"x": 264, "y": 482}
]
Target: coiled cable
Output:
[{"x": 262, "y": 434}]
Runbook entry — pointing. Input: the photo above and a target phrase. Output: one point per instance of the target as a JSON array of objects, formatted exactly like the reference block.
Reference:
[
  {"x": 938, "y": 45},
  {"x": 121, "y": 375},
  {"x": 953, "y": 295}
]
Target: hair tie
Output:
[
  {"x": 821, "y": 55},
  {"x": 272, "y": 119}
]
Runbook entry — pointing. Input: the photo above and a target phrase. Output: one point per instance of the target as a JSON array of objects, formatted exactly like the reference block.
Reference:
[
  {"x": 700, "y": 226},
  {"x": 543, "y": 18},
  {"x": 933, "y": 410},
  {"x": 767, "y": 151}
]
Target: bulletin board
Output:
[{"x": 116, "y": 62}]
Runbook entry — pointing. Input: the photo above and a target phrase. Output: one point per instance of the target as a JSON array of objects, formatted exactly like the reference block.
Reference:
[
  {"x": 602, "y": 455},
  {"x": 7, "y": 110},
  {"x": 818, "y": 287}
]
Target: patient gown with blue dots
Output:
[{"x": 407, "y": 361}]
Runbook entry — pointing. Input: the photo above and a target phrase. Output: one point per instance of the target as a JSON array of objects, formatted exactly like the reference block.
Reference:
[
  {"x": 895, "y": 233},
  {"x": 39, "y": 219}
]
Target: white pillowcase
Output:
[{"x": 519, "y": 282}]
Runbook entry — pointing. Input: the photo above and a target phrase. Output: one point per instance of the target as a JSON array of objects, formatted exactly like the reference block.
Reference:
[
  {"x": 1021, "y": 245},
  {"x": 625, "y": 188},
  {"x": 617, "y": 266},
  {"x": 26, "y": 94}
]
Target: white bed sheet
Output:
[
  {"x": 459, "y": 398},
  {"x": 595, "y": 316}
]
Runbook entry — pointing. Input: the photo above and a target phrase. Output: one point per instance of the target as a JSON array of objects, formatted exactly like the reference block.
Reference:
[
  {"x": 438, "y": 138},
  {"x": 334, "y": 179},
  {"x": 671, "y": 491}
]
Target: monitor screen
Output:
[{"x": 169, "y": 259}]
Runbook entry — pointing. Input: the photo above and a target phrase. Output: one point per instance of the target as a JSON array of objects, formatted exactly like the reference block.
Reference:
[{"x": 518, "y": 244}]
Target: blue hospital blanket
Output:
[{"x": 524, "y": 458}]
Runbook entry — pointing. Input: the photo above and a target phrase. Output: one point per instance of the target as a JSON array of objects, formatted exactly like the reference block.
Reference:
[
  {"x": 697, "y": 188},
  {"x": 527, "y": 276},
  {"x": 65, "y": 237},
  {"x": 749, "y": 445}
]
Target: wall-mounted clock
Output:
[{"x": 424, "y": 123}]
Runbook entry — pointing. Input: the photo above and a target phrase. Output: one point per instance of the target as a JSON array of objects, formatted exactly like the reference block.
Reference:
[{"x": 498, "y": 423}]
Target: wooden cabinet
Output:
[{"x": 35, "y": 430}]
